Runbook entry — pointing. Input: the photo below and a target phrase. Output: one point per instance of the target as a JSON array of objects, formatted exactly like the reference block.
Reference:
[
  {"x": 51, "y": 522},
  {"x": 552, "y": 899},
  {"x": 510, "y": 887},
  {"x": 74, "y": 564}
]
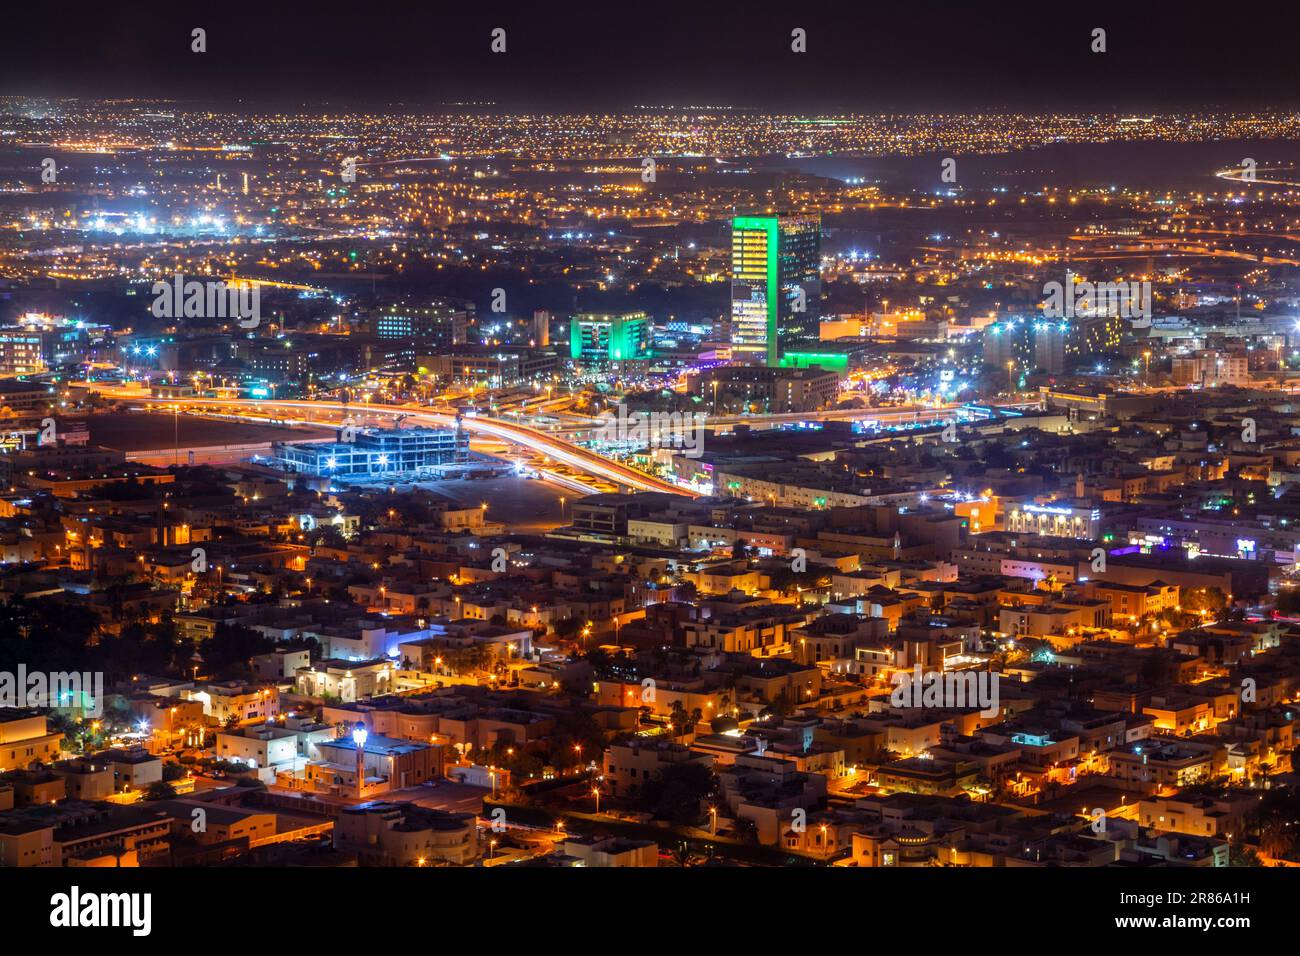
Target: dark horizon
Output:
[{"x": 921, "y": 56}]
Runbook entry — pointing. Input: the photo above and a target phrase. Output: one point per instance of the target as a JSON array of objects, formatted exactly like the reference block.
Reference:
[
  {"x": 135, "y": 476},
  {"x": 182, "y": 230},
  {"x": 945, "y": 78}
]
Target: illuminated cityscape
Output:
[{"x": 759, "y": 473}]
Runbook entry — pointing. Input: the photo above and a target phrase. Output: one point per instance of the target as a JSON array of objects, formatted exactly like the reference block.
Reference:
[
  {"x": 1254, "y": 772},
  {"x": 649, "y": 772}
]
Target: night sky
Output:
[{"x": 869, "y": 55}]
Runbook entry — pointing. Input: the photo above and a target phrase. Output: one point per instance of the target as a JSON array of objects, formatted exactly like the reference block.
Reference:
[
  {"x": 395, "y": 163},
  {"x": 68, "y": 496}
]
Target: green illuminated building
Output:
[
  {"x": 835, "y": 361},
  {"x": 775, "y": 285},
  {"x": 598, "y": 339}
]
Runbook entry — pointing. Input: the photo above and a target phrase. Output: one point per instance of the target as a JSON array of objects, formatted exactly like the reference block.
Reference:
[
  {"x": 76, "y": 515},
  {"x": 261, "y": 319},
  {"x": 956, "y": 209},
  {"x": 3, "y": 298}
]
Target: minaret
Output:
[{"x": 359, "y": 735}]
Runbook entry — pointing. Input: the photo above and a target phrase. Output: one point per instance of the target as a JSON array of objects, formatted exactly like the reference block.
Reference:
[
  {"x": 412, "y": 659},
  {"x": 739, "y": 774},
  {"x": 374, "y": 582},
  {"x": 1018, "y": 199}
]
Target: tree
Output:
[
  {"x": 466, "y": 660},
  {"x": 521, "y": 764},
  {"x": 228, "y": 650},
  {"x": 1276, "y": 839},
  {"x": 776, "y": 708},
  {"x": 160, "y": 790},
  {"x": 1275, "y": 821},
  {"x": 746, "y": 829},
  {"x": 1210, "y": 600},
  {"x": 51, "y": 635},
  {"x": 682, "y": 855},
  {"x": 1243, "y": 855},
  {"x": 326, "y": 536},
  {"x": 677, "y": 793},
  {"x": 678, "y": 719}
]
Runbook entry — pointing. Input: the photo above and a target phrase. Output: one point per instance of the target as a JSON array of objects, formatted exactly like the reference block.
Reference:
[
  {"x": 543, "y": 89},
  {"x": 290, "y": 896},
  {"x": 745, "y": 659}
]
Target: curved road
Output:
[{"x": 562, "y": 451}]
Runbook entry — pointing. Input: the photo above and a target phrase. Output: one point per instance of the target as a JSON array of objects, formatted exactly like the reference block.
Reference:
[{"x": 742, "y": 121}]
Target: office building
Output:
[
  {"x": 489, "y": 366},
  {"x": 738, "y": 389},
  {"x": 437, "y": 323},
  {"x": 1053, "y": 346},
  {"x": 21, "y": 352},
  {"x": 775, "y": 285},
  {"x": 599, "y": 338}
]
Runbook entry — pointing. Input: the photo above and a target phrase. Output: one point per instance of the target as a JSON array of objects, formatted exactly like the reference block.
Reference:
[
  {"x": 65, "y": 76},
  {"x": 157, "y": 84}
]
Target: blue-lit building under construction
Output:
[{"x": 376, "y": 453}]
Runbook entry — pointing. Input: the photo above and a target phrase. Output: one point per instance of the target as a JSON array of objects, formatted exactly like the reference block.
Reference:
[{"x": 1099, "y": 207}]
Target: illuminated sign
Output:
[{"x": 1046, "y": 510}]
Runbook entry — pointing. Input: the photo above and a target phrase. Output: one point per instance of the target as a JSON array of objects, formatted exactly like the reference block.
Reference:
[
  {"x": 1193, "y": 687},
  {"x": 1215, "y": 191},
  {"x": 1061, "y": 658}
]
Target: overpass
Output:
[
  {"x": 557, "y": 448},
  {"x": 892, "y": 415}
]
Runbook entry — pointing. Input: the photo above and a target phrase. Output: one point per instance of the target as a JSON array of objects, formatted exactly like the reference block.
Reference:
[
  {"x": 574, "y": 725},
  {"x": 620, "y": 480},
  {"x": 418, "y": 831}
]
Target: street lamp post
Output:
[{"x": 359, "y": 735}]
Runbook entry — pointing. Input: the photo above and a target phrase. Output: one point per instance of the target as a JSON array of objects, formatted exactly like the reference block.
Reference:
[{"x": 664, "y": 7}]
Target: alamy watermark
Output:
[
  {"x": 75, "y": 909},
  {"x": 1071, "y": 299},
  {"x": 61, "y": 689},
  {"x": 680, "y": 430},
  {"x": 947, "y": 689},
  {"x": 213, "y": 299}
]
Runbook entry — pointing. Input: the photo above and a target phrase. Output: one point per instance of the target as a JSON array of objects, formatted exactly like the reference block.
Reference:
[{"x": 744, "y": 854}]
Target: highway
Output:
[
  {"x": 572, "y": 455},
  {"x": 884, "y": 414},
  {"x": 514, "y": 433},
  {"x": 522, "y": 435}
]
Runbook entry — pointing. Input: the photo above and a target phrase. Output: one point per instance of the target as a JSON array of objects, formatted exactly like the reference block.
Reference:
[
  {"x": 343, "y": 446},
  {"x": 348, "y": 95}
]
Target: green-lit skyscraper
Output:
[
  {"x": 775, "y": 285},
  {"x": 598, "y": 338}
]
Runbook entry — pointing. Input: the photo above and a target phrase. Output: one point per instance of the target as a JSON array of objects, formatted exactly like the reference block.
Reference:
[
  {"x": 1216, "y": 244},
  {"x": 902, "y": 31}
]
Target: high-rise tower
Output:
[{"x": 775, "y": 284}]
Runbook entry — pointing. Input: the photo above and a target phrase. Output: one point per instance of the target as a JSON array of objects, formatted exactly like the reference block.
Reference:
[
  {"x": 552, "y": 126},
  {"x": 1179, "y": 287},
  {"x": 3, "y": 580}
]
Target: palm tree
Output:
[
  {"x": 746, "y": 829},
  {"x": 677, "y": 718},
  {"x": 683, "y": 857},
  {"x": 1275, "y": 839}
]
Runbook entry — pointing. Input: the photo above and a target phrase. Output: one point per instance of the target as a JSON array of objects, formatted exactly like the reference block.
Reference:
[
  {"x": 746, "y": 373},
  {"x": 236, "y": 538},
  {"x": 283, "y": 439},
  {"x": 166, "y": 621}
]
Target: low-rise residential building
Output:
[{"x": 403, "y": 834}]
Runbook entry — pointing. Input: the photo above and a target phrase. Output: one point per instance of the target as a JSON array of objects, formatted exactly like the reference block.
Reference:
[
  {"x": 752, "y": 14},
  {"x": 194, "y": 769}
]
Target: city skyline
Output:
[{"x": 827, "y": 442}]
